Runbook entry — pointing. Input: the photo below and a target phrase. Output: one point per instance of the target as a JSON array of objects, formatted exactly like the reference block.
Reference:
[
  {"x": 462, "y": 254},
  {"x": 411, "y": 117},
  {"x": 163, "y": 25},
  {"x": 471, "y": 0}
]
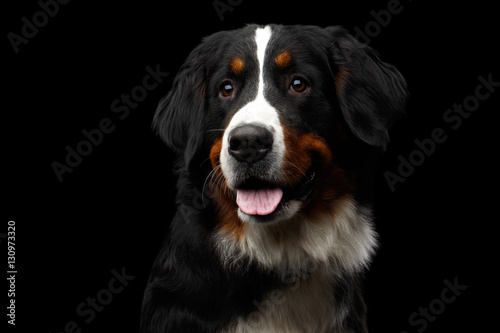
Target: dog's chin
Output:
[{"x": 267, "y": 202}]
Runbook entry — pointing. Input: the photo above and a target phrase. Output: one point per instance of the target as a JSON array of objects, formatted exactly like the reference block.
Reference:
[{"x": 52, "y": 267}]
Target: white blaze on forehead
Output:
[
  {"x": 258, "y": 112},
  {"x": 262, "y": 37}
]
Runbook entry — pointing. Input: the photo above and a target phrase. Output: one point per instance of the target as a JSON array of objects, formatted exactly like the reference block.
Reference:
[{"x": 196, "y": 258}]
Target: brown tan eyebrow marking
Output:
[
  {"x": 283, "y": 59},
  {"x": 237, "y": 65}
]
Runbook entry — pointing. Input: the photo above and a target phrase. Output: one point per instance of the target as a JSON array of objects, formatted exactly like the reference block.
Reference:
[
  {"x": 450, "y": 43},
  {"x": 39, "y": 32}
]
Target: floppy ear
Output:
[
  {"x": 179, "y": 118},
  {"x": 372, "y": 94}
]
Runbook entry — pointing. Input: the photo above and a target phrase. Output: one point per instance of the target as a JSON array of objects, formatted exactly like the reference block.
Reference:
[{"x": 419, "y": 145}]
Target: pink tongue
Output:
[{"x": 258, "y": 202}]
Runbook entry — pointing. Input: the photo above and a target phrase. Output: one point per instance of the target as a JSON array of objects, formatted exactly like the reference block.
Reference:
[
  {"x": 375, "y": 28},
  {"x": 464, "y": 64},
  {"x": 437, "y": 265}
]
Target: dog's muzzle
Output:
[{"x": 249, "y": 145}]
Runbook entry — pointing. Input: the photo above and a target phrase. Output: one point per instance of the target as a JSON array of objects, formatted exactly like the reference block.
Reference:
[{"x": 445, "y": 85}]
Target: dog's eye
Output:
[
  {"x": 299, "y": 85},
  {"x": 226, "y": 89}
]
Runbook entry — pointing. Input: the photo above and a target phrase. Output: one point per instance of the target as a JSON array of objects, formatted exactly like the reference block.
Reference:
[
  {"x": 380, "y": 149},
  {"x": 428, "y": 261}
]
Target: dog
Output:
[{"x": 277, "y": 130}]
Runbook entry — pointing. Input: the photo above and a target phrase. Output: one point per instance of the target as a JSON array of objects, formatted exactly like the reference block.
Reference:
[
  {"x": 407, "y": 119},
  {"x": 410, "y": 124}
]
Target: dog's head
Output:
[{"x": 279, "y": 111}]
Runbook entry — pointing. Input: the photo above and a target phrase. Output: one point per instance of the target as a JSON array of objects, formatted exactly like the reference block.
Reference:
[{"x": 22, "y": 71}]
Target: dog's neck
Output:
[{"x": 344, "y": 240}]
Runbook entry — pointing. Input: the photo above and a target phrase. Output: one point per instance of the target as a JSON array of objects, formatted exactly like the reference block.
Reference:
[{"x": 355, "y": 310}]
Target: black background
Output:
[{"x": 113, "y": 210}]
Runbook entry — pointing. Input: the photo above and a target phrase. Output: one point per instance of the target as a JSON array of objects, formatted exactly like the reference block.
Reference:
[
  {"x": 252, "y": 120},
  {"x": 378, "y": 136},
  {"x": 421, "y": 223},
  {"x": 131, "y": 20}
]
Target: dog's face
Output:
[{"x": 279, "y": 111}]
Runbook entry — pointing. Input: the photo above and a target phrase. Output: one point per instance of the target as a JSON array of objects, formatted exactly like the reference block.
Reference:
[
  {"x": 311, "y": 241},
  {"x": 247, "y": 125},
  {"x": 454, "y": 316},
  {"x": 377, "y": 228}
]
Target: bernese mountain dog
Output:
[{"x": 277, "y": 131}]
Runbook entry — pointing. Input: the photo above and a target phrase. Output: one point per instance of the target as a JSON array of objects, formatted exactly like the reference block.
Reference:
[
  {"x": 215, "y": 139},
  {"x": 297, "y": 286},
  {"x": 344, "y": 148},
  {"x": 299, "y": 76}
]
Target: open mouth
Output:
[{"x": 265, "y": 201}]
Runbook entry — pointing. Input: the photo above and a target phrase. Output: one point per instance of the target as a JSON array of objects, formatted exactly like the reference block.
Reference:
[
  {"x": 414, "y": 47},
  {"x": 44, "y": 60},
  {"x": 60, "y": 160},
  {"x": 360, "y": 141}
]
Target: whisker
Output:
[
  {"x": 207, "y": 159},
  {"x": 215, "y": 130},
  {"x": 299, "y": 180},
  {"x": 210, "y": 175},
  {"x": 293, "y": 164},
  {"x": 286, "y": 177},
  {"x": 219, "y": 180}
]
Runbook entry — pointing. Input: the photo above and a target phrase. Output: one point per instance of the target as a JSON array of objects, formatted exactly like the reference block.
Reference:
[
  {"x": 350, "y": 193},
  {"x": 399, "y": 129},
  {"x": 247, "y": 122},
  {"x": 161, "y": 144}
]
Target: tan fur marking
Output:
[
  {"x": 227, "y": 217},
  {"x": 237, "y": 65},
  {"x": 340, "y": 79},
  {"x": 331, "y": 182},
  {"x": 283, "y": 59}
]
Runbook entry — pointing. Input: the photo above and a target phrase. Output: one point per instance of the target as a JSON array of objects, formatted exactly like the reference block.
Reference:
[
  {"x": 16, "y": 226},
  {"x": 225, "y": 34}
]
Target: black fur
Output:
[
  {"x": 374, "y": 92},
  {"x": 189, "y": 290}
]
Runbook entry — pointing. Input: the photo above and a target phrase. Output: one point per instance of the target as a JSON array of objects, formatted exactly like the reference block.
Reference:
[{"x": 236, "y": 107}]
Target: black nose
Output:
[{"x": 250, "y": 143}]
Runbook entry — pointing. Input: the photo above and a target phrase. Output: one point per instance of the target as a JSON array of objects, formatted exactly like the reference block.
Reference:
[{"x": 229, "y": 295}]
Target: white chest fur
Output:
[
  {"x": 311, "y": 256},
  {"x": 306, "y": 305}
]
